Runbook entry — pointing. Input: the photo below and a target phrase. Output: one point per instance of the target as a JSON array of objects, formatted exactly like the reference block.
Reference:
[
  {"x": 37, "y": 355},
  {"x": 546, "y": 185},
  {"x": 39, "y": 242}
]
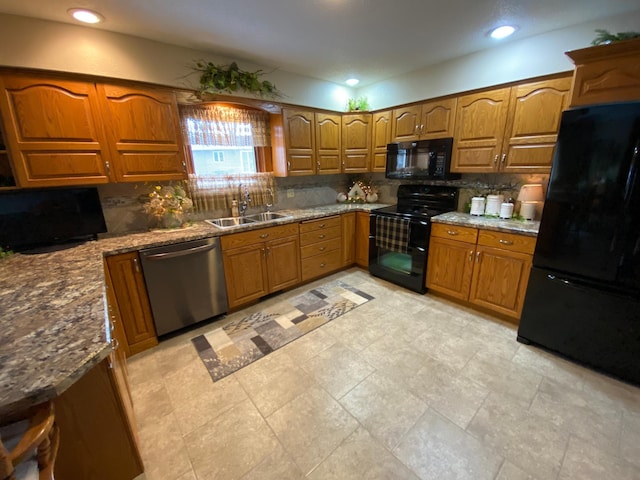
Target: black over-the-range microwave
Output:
[{"x": 420, "y": 160}]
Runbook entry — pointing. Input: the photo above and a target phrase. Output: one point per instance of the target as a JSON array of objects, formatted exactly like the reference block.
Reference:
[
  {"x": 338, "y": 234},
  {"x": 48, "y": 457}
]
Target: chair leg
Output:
[{"x": 47, "y": 452}]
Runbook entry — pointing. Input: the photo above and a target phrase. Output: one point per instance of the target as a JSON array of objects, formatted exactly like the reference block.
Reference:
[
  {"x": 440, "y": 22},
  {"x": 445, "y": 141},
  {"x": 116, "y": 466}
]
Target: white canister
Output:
[
  {"x": 493, "y": 204},
  {"x": 506, "y": 210},
  {"x": 477, "y": 206},
  {"x": 528, "y": 210}
]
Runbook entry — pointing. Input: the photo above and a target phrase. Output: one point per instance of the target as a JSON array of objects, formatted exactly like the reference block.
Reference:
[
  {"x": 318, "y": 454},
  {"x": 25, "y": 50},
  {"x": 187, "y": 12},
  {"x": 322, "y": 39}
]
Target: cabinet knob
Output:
[
  {"x": 322, "y": 265},
  {"x": 322, "y": 235},
  {"x": 504, "y": 157},
  {"x": 321, "y": 225},
  {"x": 107, "y": 166},
  {"x": 184, "y": 166},
  {"x": 264, "y": 235},
  {"x": 136, "y": 266},
  {"x": 495, "y": 160},
  {"x": 478, "y": 257},
  {"x": 322, "y": 249},
  {"x": 505, "y": 242},
  {"x": 470, "y": 256},
  {"x": 452, "y": 232}
]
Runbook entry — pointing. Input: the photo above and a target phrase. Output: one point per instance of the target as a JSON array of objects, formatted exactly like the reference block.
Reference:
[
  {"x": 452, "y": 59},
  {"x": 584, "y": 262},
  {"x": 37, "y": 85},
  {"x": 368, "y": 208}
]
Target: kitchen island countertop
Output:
[
  {"x": 52, "y": 307},
  {"x": 522, "y": 227}
]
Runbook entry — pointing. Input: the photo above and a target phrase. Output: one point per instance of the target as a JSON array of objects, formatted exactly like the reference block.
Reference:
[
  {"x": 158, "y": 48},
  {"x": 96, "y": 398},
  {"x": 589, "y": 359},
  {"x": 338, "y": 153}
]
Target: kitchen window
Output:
[{"x": 228, "y": 149}]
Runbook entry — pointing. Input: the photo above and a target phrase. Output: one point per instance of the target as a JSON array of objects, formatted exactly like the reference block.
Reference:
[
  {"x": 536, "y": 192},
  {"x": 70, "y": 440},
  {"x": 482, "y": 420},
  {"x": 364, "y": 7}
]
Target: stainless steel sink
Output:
[
  {"x": 266, "y": 216},
  {"x": 227, "y": 222}
]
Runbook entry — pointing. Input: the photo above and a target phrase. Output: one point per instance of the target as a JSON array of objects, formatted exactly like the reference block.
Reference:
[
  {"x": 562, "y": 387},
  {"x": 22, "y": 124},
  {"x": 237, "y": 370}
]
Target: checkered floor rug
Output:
[{"x": 243, "y": 341}]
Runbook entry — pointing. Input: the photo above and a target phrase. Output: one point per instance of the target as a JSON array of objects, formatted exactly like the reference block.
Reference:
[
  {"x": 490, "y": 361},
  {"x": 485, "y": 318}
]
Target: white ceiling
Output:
[{"x": 330, "y": 39}]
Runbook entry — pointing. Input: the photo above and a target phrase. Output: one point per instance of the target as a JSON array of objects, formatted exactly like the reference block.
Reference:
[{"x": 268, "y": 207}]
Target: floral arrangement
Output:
[{"x": 168, "y": 204}]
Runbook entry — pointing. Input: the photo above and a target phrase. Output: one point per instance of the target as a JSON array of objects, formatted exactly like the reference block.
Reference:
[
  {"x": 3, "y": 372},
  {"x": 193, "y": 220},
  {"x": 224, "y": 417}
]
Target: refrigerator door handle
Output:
[
  {"x": 557, "y": 279},
  {"x": 631, "y": 177}
]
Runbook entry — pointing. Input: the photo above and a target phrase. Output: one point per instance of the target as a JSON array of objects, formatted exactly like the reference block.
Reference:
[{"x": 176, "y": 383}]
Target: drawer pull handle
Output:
[
  {"x": 264, "y": 235},
  {"x": 322, "y": 265},
  {"x": 452, "y": 232},
  {"x": 470, "y": 256},
  {"x": 321, "y": 225},
  {"x": 505, "y": 242},
  {"x": 321, "y": 236},
  {"x": 478, "y": 257},
  {"x": 322, "y": 249}
]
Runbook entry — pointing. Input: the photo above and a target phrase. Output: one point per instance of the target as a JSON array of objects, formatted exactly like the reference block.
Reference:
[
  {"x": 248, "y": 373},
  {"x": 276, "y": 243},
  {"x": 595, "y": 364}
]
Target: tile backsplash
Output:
[{"x": 122, "y": 203}]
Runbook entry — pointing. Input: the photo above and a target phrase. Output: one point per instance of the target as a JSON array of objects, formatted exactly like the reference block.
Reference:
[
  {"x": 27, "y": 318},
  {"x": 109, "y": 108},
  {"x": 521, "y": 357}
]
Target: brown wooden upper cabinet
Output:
[
  {"x": 356, "y": 142},
  {"x": 509, "y": 129},
  {"x": 328, "y": 142},
  {"x": 65, "y": 132},
  {"x": 143, "y": 129},
  {"x": 434, "y": 119},
  {"x": 300, "y": 141},
  {"x": 54, "y": 131},
  {"x": 606, "y": 73},
  {"x": 381, "y": 137}
]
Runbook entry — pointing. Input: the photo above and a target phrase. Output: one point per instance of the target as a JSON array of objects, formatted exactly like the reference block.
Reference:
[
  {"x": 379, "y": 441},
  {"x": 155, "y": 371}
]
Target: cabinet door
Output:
[
  {"x": 362, "y": 239},
  {"x": 300, "y": 141},
  {"x": 500, "y": 280},
  {"x": 356, "y": 142},
  {"x": 143, "y": 129},
  {"x": 479, "y": 131},
  {"x": 98, "y": 437},
  {"x": 348, "y": 221},
  {"x": 606, "y": 73},
  {"x": 133, "y": 302},
  {"x": 381, "y": 138},
  {"x": 283, "y": 263},
  {"x": 54, "y": 131},
  {"x": 535, "y": 110},
  {"x": 328, "y": 143},
  {"x": 438, "y": 118},
  {"x": 405, "y": 126},
  {"x": 245, "y": 273},
  {"x": 450, "y": 266}
]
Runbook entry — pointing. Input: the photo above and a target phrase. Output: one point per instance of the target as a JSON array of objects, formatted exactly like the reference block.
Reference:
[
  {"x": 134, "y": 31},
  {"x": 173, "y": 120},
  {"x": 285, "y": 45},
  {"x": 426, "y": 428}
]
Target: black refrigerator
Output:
[{"x": 583, "y": 296}]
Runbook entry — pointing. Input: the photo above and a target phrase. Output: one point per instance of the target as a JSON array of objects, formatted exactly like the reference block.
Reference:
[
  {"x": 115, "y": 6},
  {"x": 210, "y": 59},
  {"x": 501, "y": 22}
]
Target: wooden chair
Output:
[{"x": 29, "y": 444}]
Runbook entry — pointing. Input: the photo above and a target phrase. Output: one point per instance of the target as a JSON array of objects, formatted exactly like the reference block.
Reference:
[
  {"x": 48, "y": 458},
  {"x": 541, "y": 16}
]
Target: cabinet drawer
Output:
[
  {"x": 454, "y": 232},
  {"x": 320, "y": 265},
  {"x": 319, "y": 247},
  {"x": 321, "y": 224},
  {"x": 320, "y": 235},
  {"x": 507, "y": 241},
  {"x": 242, "y": 239}
]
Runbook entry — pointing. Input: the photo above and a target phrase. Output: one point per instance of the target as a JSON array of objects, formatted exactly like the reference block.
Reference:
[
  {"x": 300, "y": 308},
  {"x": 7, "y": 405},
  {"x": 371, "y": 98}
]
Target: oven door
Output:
[{"x": 404, "y": 269}]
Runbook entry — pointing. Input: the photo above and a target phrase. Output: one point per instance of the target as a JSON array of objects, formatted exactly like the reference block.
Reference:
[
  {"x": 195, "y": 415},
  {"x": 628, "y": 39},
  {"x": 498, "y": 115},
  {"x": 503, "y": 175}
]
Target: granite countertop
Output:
[
  {"x": 52, "y": 307},
  {"x": 522, "y": 227}
]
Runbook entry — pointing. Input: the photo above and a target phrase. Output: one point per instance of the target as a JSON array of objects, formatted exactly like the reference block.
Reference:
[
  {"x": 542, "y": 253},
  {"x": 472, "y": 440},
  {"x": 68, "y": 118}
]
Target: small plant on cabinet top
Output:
[
  {"x": 360, "y": 104},
  {"x": 231, "y": 79},
  {"x": 604, "y": 37}
]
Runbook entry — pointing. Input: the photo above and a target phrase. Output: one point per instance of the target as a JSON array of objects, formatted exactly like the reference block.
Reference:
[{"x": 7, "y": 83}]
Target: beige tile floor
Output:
[{"x": 406, "y": 386}]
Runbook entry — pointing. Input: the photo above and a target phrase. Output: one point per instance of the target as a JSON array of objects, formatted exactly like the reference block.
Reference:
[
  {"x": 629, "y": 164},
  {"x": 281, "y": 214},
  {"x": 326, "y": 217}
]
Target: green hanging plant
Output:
[
  {"x": 231, "y": 79},
  {"x": 605, "y": 37}
]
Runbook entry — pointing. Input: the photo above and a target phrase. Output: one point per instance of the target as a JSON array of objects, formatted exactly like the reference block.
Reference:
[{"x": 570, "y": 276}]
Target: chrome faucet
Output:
[
  {"x": 246, "y": 200},
  {"x": 268, "y": 205}
]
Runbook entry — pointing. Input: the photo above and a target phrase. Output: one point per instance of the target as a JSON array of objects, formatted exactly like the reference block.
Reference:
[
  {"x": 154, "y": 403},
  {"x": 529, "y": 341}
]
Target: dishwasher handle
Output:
[{"x": 180, "y": 253}]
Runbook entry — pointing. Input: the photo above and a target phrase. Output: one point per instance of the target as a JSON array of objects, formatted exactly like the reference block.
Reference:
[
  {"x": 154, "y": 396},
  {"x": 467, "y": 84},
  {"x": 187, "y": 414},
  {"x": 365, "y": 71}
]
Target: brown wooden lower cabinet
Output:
[
  {"x": 486, "y": 268},
  {"x": 348, "y": 238},
  {"x": 98, "y": 439},
  {"x": 321, "y": 247},
  {"x": 362, "y": 239},
  {"x": 130, "y": 293},
  {"x": 260, "y": 262}
]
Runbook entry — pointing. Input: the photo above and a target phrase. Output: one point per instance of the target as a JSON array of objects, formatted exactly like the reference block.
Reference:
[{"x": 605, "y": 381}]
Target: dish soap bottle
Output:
[{"x": 234, "y": 208}]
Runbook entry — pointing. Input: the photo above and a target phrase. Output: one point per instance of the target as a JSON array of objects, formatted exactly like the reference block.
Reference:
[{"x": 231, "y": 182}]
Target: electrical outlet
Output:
[{"x": 290, "y": 193}]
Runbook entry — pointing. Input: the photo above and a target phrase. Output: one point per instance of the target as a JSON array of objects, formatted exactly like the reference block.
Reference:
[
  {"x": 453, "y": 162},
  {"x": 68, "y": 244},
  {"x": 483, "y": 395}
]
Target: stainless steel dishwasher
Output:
[{"x": 185, "y": 282}]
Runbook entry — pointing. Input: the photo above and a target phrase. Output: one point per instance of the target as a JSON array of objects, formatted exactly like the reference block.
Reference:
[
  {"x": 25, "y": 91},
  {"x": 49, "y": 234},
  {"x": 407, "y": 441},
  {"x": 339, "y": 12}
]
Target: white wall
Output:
[
  {"x": 515, "y": 60},
  {"x": 32, "y": 43}
]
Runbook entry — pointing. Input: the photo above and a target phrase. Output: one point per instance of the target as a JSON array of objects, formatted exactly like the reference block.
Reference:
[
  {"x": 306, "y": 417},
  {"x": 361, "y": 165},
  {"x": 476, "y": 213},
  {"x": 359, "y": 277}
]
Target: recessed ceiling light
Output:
[
  {"x": 502, "y": 32},
  {"x": 352, "y": 82},
  {"x": 85, "y": 16}
]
